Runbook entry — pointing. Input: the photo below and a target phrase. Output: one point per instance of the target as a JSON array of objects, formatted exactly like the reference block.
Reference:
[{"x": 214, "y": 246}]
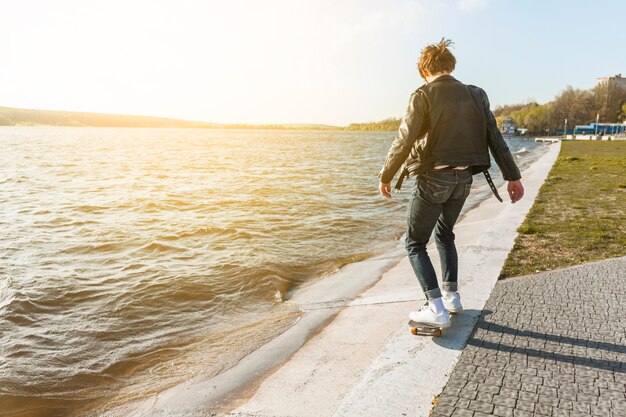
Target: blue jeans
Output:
[{"x": 436, "y": 203}]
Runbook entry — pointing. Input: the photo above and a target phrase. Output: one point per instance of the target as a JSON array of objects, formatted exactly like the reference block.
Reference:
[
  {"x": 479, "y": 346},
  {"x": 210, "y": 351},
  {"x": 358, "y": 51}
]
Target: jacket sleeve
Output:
[
  {"x": 497, "y": 145},
  {"x": 411, "y": 128}
]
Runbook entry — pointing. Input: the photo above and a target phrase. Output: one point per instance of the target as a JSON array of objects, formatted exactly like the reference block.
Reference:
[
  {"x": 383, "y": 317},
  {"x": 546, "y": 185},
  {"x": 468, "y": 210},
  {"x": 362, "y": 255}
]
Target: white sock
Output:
[
  {"x": 445, "y": 293},
  {"x": 437, "y": 303}
]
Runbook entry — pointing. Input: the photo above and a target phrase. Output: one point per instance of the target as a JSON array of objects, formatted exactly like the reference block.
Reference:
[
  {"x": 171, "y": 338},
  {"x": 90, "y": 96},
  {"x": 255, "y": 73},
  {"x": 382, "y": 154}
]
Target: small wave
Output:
[
  {"x": 521, "y": 151},
  {"x": 134, "y": 266},
  {"x": 160, "y": 247},
  {"x": 86, "y": 208},
  {"x": 231, "y": 234},
  {"x": 93, "y": 248},
  {"x": 21, "y": 306},
  {"x": 200, "y": 232},
  {"x": 18, "y": 179}
]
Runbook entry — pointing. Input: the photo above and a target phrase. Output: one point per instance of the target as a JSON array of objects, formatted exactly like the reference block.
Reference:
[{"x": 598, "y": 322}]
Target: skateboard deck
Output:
[{"x": 418, "y": 329}]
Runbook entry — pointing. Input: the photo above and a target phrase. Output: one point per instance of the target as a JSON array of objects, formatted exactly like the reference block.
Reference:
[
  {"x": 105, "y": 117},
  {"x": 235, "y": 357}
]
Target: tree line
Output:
[
  {"x": 10, "y": 116},
  {"x": 579, "y": 106},
  {"x": 390, "y": 124}
]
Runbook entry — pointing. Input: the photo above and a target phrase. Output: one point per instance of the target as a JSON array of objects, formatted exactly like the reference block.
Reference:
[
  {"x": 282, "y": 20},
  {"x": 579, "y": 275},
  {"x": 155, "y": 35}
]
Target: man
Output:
[{"x": 443, "y": 140}]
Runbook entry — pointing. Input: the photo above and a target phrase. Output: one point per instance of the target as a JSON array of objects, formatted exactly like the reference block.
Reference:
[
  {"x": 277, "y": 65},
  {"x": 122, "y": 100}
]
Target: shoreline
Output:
[
  {"x": 226, "y": 390},
  {"x": 320, "y": 302}
]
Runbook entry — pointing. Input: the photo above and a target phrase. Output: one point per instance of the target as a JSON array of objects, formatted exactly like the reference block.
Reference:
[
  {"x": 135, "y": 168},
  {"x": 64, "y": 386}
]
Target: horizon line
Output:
[{"x": 188, "y": 121}]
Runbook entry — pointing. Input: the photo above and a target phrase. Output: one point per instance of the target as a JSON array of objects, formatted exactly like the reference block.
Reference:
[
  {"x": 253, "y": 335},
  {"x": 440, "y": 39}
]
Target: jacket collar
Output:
[{"x": 444, "y": 77}]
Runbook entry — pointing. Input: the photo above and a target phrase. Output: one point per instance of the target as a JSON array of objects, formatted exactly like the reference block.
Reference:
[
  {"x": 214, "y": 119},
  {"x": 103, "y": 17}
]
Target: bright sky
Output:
[{"x": 293, "y": 61}]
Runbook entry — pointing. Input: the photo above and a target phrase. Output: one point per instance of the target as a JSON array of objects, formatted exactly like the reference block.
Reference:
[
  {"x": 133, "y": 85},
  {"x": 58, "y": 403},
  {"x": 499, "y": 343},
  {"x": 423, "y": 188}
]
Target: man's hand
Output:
[
  {"x": 385, "y": 189},
  {"x": 516, "y": 190}
]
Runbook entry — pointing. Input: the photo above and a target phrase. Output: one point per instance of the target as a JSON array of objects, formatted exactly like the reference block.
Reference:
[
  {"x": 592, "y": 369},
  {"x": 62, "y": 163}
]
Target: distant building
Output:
[
  {"x": 614, "y": 81},
  {"x": 601, "y": 129},
  {"x": 508, "y": 126},
  {"x": 613, "y": 91}
]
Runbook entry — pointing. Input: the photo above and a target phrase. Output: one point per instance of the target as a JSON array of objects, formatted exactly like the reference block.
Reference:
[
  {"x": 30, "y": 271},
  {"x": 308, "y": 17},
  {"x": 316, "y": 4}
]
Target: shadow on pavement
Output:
[{"x": 490, "y": 335}]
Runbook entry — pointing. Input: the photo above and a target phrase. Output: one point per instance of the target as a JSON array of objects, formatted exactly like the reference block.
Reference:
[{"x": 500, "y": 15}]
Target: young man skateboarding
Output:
[{"x": 443, "y": 140}]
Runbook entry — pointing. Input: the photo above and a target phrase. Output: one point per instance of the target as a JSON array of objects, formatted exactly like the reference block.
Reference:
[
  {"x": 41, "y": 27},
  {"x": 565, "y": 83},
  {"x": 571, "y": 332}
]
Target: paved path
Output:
[{"x": 550, "y": 344}]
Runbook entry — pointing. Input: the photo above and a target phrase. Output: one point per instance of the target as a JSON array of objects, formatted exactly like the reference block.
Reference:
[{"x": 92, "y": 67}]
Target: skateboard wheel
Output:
[{"x": 425, "y": 331}]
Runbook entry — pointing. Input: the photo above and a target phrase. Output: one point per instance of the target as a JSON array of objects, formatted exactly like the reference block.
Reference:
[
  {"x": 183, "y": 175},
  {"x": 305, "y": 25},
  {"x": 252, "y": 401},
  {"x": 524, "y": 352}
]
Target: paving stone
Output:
[
  {"x": 491, "y": 389},
  {"x": 462, "y": 413},
  {"x": 566, "y": 404},
  {"x": 528, "y": 372},
  {"x": 588, "y": 399},
  {"x": 548, "y": 399},
  {"x": 611, "y": 394},
  {"x": 619, "y": 405},
  {"x": 601, "y": 410},
  {"x": 497, "y": 373},
  {"x": 587, "y": 380},
  {"x": 455, "y": 381},
  {"x": 447, "y": 400},
  {"x": 575, "y": 413},
  {"x": 481, "y": 406},
  {"x": 543, "y": 409},
  {"x": 505, "y": 401},
  {"x": 468, "y": 394},
  {"x": 516, "y": 385},
  {"x": 494, "y": 380},
  {"x": 560, "y": 412},
  {"x": 620, "y": 378},
  {"x": 484, "y": 397},
  {"x": 452, "y": 390},
  {"x": 528, "y": 387},
  {"x": 528, "y": 396},
  {"x": 567, "y": 394},
  {"x": 544, "y": 374},
  {"x": 614, "y": 386},
  {"x": 477, "y": 378},
  {"x": 589, "y": 390},
  {"x": 502, "y": 411},
  {"x": 508, "y": 392},
  {"x": 550, "y": 383},
  {"x": 525, "y": 405},
  {"x": 462, "y": 403},
  {"x": 546, "y": 391},
  {"x": 443, "y": 411}
]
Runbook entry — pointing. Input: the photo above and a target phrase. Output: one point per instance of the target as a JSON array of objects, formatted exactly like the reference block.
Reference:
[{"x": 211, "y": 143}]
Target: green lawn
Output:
[{"x": 579, "y": 214}]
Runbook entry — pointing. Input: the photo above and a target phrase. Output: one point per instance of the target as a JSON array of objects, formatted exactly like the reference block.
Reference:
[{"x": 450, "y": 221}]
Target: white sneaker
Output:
[
  {"x": 428, "y": 317},
  {"x": 452, "y": 302}
]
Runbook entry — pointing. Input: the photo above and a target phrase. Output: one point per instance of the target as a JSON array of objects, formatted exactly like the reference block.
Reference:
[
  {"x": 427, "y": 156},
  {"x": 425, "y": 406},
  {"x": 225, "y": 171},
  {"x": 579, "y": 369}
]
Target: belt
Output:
[
  {"x": 405, "y": 173},
  {"x": 451, "y": 169},
  {"x": 491, "y": 185}
]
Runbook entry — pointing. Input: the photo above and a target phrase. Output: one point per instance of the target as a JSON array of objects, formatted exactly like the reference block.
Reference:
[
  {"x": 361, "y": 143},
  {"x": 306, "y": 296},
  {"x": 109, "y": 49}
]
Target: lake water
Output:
[{"x": 134, "y": 259}]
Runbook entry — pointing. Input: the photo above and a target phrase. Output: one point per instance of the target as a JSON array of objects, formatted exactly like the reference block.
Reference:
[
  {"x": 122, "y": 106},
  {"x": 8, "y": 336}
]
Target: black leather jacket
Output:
[{"x": 447, "y": 123}]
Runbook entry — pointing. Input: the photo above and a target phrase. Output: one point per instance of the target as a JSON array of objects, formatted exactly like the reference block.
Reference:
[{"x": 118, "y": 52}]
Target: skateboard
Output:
[{"x": 418, "y": 329}]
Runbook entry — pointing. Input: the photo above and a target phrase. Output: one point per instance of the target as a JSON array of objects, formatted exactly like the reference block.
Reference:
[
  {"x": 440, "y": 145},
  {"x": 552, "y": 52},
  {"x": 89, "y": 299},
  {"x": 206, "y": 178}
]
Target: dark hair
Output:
[{"x": 436, "y": 58}]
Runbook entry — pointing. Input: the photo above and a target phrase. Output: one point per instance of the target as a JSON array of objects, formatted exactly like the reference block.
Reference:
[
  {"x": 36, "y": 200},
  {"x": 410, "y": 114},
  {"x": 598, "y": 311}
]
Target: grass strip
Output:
[{"x": 579, "y": 214}]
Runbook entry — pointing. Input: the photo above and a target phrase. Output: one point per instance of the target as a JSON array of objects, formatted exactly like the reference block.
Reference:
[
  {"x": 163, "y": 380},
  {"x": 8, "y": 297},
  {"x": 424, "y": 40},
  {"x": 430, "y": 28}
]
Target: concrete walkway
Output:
[
  {"x": 352, "y": 354},
  {"x": 551, "y": 344}
]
